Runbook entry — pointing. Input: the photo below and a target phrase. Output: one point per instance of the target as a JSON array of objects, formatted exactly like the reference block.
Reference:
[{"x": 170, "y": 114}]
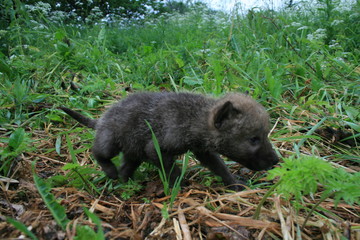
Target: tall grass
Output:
[{"x": 302, "y": 67}]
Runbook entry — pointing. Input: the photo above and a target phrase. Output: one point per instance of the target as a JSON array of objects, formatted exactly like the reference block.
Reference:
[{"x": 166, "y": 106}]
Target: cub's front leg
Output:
[{"x": 213, "y": 162}]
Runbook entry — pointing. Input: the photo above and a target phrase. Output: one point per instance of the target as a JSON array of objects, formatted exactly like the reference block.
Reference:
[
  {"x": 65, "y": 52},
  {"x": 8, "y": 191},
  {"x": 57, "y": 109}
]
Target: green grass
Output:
[
  {"x": 270, "y": 54},
  {"x": 304, "y": 68}
]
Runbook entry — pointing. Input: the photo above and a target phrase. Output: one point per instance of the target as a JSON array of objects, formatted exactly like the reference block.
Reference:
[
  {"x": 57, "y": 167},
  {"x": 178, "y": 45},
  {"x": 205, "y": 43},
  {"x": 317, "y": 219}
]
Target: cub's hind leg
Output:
[
  {"x": 104, "y": 149},
  {"x": 172, "y": 171}
]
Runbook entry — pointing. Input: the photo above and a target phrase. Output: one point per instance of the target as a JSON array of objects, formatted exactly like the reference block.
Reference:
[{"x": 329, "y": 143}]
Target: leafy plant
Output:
[
  {"x": 16, "y": 144},
  {"x": 77, "y": 176},
  {"x": 84, "y": 232},
  {"x": 303, "y": 176},
  {"x": 59, "y": 214},
  {"x": 129, "y": 189},
  {"x": 16, "y": 94},
  {"x": 57, "y": 210},
  {"x": 275, "y": 85},
  {"x": 298, "y": 177}
]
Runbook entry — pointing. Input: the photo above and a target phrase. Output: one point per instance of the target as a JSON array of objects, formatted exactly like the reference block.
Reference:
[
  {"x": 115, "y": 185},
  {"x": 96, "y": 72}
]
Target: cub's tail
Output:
[{"x": 91, "y": 123}]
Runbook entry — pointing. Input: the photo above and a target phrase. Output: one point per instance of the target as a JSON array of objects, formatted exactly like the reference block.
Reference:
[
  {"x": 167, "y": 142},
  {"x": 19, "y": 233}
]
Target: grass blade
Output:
[
  {"x": 57, "y": 210},
  {"x": 162, "y": 171},
  {"x": 21, "y": 227},
  {"x": 71, "y": 149}
]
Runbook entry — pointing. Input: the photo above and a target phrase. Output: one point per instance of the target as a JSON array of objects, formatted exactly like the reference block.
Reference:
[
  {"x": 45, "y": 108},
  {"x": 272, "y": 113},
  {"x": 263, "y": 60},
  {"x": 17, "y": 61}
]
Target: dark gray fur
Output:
[{"x": 235, "y": 126}]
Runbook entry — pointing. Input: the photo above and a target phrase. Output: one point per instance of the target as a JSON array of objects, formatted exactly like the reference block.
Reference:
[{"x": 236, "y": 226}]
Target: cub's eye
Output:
[{"x": 254, "y": 141}]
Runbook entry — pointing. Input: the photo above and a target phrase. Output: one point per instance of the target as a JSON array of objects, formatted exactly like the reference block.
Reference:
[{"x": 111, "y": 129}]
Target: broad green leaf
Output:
[
  {"x": 17, "y": 138},
  {"x": 58, "y": 144},
  {"x": 69, "y": 166},
  {"x": 85, "y": 232},
  {"x": 54, "y": 117},
  {"x": 192, "y": 81}
]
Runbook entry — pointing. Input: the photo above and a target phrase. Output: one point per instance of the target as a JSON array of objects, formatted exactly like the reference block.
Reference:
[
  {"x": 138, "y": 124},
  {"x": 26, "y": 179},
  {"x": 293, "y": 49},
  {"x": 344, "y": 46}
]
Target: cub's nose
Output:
[{"x": 275, "y": 159}]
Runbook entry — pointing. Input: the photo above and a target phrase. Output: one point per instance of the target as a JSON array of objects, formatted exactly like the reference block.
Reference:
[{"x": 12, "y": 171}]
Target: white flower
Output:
[
  {"x": 303, "y": 28},
  {"x": 340, "y": 59},
  {"x": 319, "y": 34},
  {"x": 95, "y": 14},
  {"x": 334, "y": 45},
  {"x": 40, "y": 27},
  {"x": 336, "y": 22},
  {"x": 43, "y": 8},
  {"x": 79, "y": 3},
  {"x": 320, "y": 31},
  {"x": 295, "y": 24},
  {"x": 343, "y": 8},
  {"x": 58, "y": 16}
]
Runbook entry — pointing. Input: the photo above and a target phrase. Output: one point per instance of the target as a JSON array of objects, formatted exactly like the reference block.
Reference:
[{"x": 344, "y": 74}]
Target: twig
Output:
[{"x": 284, "y": 230}]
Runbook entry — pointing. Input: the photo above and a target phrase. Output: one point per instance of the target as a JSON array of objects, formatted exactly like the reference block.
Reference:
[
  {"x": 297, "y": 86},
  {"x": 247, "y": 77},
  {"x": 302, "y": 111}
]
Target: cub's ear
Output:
[{"x": 223, "y": 113}]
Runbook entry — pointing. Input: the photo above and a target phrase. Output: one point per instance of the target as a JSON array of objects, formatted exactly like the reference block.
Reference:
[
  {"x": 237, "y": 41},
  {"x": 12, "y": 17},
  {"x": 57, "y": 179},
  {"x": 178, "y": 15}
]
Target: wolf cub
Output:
[{"x": 235, "y": 126}]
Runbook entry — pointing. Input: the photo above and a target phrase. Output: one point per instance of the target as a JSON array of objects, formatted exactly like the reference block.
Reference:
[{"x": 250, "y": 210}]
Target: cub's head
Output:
[{"x": 240, "y": 128}]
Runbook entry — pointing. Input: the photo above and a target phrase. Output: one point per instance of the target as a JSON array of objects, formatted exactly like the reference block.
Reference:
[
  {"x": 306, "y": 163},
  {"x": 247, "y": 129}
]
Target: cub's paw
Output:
[
  {"x": 111, "y": 172},
  {"x": 238, "y": 186}
]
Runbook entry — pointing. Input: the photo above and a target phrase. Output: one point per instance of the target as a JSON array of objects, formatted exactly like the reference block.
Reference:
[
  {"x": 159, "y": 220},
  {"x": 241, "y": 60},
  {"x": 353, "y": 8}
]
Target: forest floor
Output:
[{"x": 198, "y": 212}]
